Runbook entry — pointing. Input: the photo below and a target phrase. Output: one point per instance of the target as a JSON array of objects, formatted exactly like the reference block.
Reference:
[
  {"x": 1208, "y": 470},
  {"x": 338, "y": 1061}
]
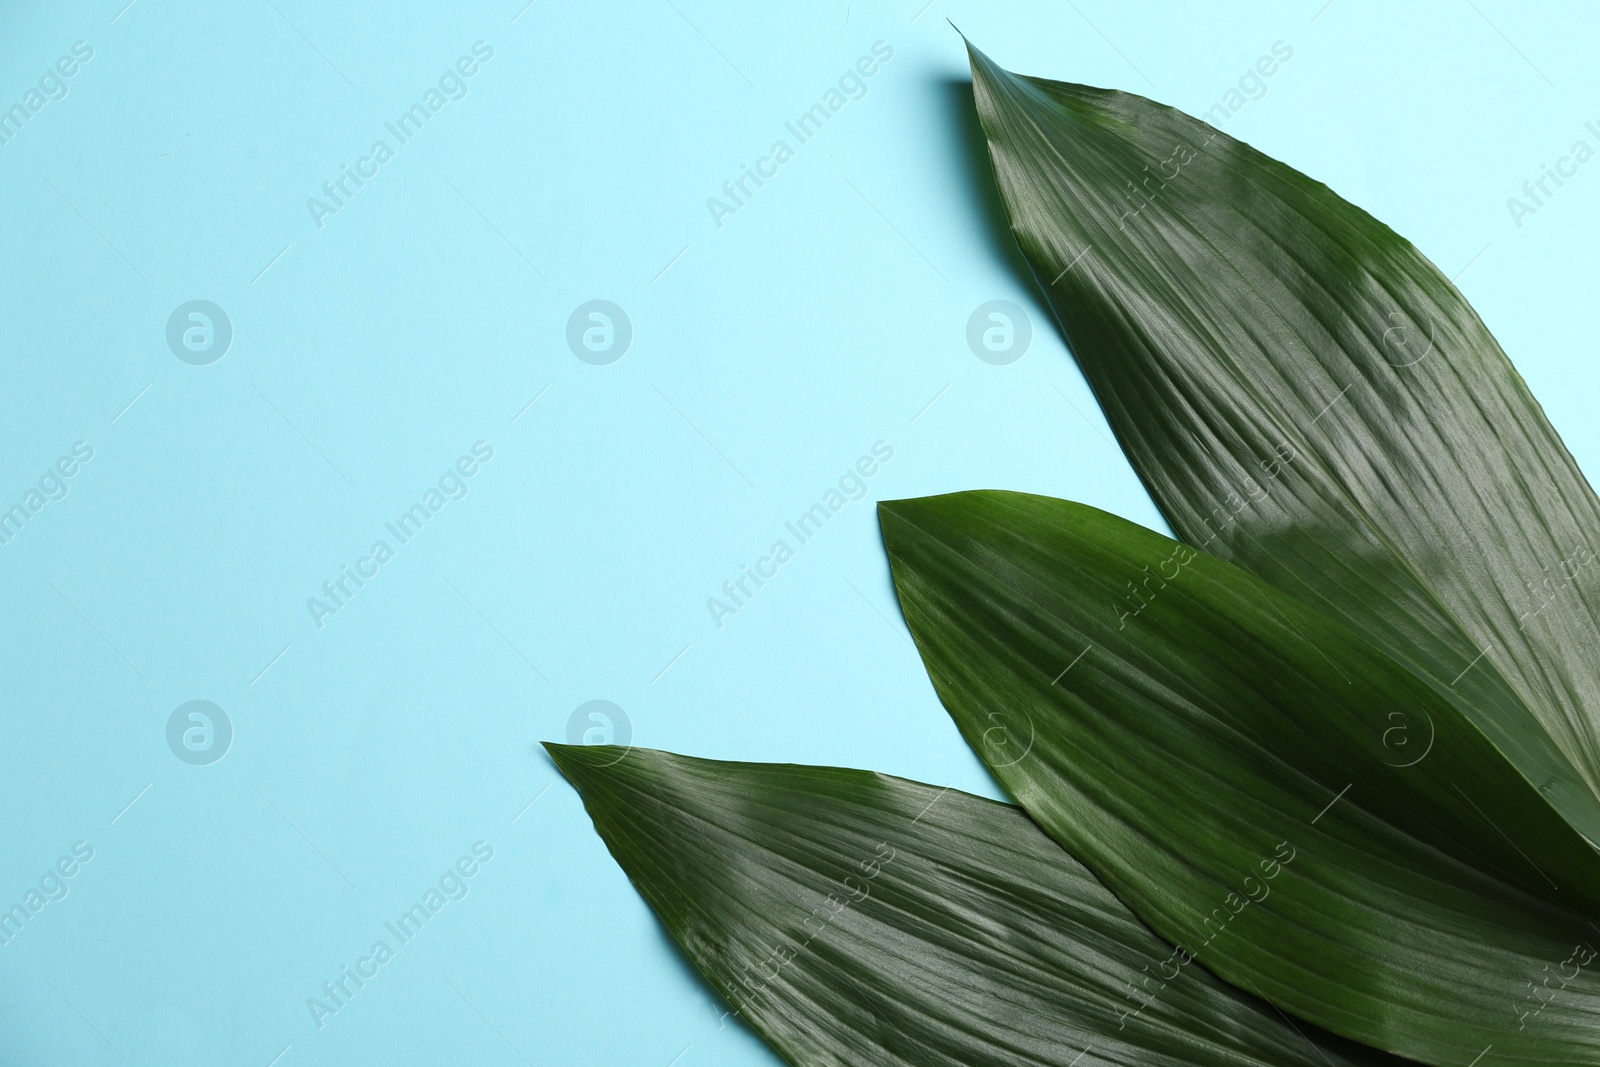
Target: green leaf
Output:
[
  {"x": 1170, "y": 721},
  {"x": 854, "y": 918},
  {"x": 1304, "y": 393}
]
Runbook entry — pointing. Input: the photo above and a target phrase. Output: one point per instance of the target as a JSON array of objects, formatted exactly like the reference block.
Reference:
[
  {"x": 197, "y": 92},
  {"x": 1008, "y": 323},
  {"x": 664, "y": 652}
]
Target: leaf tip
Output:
[
  {"x": 563, "y": 756},
  {"x": 983, "y": 68},
  {"x": 893, "y": 513},
  {"x": 585, "y": 766}
]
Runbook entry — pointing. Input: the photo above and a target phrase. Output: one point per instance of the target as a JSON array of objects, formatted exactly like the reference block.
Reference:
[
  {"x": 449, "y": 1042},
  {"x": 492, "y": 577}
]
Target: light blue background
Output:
[{"x": 825, "y": 316}]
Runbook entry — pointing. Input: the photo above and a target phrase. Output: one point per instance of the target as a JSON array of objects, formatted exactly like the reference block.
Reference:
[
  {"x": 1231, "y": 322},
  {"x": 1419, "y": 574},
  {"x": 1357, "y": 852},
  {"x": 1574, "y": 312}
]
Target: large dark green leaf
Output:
[
  {"x": 853, "y": 918},
  {"x": 1170, "y": 720},
  {"x": 1306, "y": 394}
]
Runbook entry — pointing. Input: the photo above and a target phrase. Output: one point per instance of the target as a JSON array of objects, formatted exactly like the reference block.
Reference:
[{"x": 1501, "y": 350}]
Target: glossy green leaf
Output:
[
  {"x": 1175, "y": 723},
  {"x": 1303, "y": 392},
  {"x": 854, "y": 918}
]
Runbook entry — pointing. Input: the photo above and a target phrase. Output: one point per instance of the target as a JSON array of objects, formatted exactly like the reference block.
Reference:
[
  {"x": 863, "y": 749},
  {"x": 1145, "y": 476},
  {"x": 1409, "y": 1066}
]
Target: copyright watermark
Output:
[
  {"x": 600, "y": 722},
  {"x": 599, "y": 332},
  {"x": 999, "y": 332},
  {"x": 199, "y": 732},
  {"x": 199, "y": 332}
]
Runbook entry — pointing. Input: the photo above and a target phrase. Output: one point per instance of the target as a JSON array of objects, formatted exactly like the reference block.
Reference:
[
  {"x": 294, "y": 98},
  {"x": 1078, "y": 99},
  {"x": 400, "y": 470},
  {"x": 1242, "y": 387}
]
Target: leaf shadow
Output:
[{"x": 972, "y": 157}]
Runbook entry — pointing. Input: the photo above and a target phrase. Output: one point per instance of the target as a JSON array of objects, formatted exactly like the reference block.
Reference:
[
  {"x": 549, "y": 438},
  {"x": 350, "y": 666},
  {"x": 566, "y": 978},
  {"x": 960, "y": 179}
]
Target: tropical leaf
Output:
[
  {"x": 1304, "y": 393},
  {"x": 1177, "y": 725},
  {"x": 854, "y": 918}
]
